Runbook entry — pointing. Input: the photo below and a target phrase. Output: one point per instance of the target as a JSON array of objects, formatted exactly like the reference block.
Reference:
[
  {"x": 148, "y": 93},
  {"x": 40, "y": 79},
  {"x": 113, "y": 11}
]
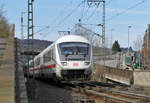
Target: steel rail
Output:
[
  {"x": 132, "y": 95},
  {"x": 107, "y": 97}
]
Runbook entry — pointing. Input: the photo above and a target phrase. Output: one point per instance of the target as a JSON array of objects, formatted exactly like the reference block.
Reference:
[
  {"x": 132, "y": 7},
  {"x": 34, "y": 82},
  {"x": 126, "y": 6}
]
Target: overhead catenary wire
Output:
[
  {"x": 61, "y": 21},
  {"x": 118, "y": 14},
  {"x": 66, "y": 17},
  {"x": 42, "y": 29},
  {"x": 58, "y": 16},
  {"x": 93, "y": 13},
  {"x": 54, "y": 21},
  {"x": 83, "y": 10},
  {"x": 52, "y": 29},
  {"x": 86, "y": 11},
  {"x": 126, "y": 10},
  {"x": 109, "y": 2},
  {"x": 90, "y": 16}
]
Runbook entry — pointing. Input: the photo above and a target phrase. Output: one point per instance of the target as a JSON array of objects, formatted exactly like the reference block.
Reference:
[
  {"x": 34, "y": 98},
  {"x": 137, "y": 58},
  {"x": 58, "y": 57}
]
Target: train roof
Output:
[{"x": 72, "y": 38}]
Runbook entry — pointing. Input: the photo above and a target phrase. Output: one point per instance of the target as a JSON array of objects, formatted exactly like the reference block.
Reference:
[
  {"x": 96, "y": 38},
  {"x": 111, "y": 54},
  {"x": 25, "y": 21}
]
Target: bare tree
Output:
[
  {"x": 137, "y": 44},
  {"x": 4, "y": 26}
]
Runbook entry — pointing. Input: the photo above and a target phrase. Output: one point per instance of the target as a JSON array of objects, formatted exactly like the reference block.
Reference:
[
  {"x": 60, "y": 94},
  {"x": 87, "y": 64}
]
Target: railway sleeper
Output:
[{"x": 83, "y": 99}]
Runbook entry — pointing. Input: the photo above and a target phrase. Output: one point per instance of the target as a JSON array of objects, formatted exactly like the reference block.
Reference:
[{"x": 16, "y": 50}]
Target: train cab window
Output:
[{"x": 74, "y": 51}]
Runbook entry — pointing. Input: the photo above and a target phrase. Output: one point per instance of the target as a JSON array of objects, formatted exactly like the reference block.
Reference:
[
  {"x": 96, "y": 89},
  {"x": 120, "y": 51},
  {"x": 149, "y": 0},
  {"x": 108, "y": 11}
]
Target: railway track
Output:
[
  {"x": 142, "y": 98},
  {"x": 100, "y": 93},
  {"x": 109, "y": 96}
]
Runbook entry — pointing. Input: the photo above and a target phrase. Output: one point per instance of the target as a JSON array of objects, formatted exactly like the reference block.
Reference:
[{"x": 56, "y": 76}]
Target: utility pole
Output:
[
  {"x": 22, "y": 36},
  {"x": 129, "y": 37},
  {"x": 111, "y": 37},
  {"x": 103, "y": 31},
  {"x": 30, "y": 35},
  {"x": 103, "y": 27},
  {"x": 97, "y": 3},
  {"x": 148, "y": 38},
  {"x": 148, "y": 44}
]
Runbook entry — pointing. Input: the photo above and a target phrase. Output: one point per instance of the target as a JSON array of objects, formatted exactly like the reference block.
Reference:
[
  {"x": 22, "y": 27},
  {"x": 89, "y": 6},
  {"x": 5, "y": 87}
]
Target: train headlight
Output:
[
  {"x": 86, "y": 63},
  {"x": 64, "y": 63}
]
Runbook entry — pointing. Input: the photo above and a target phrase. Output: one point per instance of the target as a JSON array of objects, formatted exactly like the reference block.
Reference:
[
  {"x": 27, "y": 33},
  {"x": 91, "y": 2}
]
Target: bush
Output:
[
  {"x": 132, "y": 80},
  {"x": 4, "y": 26}
]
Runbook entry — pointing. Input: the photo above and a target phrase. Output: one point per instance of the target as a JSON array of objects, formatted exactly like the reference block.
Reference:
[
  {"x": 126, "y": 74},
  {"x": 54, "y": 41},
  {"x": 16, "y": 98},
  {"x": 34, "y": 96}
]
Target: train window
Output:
[
  {"x": 31, "y": 64},
  {"x": 37, "y": 61},
  {"x": 52, "y": 53},
  {"x": 47, "y": 57}
]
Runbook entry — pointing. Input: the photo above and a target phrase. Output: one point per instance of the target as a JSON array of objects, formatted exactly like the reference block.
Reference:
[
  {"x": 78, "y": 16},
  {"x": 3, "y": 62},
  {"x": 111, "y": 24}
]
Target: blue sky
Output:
[{"x": 52, "y": 12}]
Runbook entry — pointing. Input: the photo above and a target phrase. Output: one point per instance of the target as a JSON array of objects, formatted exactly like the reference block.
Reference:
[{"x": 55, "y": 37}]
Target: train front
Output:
[{"x": 75, "y": 59}]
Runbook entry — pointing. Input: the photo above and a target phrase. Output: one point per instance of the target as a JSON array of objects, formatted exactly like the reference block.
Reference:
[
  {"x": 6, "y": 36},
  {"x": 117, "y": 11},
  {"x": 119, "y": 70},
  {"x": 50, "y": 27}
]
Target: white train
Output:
[{"x": 70, "y": 58}]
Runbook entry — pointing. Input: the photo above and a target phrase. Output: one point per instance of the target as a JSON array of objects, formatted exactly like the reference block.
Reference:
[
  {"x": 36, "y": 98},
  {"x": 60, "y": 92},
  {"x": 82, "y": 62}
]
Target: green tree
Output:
[
  {"x": 116, "y": 46},
  {"x": 4, "y": 26}
]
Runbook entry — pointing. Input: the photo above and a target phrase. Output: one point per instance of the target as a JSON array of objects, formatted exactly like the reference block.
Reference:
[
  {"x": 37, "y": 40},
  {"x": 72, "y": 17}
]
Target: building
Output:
[{"x": 146, "y": 47}]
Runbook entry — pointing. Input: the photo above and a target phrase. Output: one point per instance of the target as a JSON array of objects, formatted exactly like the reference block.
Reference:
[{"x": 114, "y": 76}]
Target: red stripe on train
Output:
[{"x": 44, "y": 67}]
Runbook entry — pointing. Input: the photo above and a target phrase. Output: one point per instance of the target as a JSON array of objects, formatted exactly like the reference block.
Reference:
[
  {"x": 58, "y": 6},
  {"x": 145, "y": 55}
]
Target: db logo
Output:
[{"x": 75, "y": 64}]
